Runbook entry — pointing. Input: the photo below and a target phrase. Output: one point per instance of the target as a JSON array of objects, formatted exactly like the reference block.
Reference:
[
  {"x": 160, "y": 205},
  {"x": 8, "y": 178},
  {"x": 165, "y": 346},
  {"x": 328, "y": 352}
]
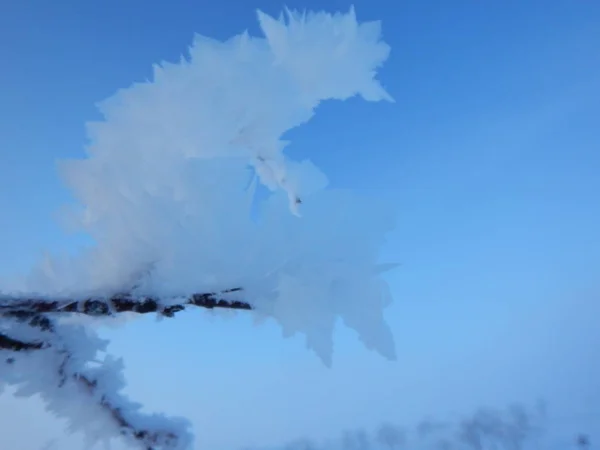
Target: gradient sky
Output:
[{"x": 490, "y": 155}]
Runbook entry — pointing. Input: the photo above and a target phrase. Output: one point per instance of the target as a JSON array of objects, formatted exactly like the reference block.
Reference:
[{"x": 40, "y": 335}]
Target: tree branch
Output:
[
  {"x": 150, "y": 440},
  {"x": 37, "y": 313},
  {"x": 21, "y": 307},
  {"x": 8, "y": 343}
]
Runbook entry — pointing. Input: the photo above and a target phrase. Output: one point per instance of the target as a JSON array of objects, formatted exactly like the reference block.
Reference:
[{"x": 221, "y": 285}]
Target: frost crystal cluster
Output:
[{"x": 167, "y": 194}]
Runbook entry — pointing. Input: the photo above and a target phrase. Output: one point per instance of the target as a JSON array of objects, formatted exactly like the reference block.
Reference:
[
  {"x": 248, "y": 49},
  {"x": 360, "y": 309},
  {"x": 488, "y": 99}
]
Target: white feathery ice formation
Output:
[{"x": 168, "y": 184}]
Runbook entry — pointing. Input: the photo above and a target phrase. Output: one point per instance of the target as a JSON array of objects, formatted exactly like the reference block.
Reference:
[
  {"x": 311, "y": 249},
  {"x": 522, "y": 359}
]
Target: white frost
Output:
[
  {"x": 163, "y": 193},
  {"x": 164, "y": 183}
]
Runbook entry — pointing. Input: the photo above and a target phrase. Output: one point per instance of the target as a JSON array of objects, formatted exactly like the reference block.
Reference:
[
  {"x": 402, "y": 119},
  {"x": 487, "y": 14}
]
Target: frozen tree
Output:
[
  {"x": 511, "y": 428},
  {"x": 356, "y": 440},
  {"x": 391, "y": 436},
  {"x": 583, "y": 441},
  {"x": 166, "y": 192},
  {"x": 301, "y": 444},
  {"x": 489, "y": 428}
]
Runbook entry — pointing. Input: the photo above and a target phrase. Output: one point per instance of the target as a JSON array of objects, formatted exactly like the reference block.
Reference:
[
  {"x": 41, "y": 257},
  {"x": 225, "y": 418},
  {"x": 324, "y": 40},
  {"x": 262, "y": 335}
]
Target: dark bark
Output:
[
  {"x": 15, "y": 345},
  {"x": 39, "y": 312},
  {"x": 28, "y": 308},
  {"x": 149, "y": 439}
]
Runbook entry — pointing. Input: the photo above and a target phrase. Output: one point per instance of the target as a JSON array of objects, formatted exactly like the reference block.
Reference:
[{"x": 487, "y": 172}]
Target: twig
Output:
[
  {"x": 8, "y": 343},
  {"x": 37, "y": 312},
  {"x": 150, "y": 439},
  {"x": 30, "y": 307}
]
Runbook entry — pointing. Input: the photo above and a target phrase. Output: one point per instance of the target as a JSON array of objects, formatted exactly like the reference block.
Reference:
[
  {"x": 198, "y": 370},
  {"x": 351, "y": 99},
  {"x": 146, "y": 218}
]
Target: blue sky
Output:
[{"x": 490, "y": 155}]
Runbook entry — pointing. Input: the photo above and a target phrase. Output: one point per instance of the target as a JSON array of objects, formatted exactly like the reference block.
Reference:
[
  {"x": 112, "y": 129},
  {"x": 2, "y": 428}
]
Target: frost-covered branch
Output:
[
  {"x": 35, "y": 311},
  {"x": 59, "y": 362},
  {"x": 149, "y": 439},
  {"x": 23, "y": 307},
  {"x": 15, "y": 345},
  {"x": 34, "y": 317},
  {"x": 166, "y": 179}
]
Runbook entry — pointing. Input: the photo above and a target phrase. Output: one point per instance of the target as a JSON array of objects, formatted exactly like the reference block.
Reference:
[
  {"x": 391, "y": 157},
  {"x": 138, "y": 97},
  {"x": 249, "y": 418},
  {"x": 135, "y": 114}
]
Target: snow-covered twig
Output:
[
  {"x": 68, "y": 375},
  {"x": 34, "y": 317},
  {"x": 16, "y": 345},
  {"x": 163, "y": 180},
  {"x": 149, "y": 439},
  {"x": 33, "y": 307}
]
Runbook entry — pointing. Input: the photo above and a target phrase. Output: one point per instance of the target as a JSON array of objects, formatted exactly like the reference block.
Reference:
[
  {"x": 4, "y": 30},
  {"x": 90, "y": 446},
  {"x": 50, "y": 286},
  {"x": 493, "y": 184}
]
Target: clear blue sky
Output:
[{"x": 490, "y": 155}]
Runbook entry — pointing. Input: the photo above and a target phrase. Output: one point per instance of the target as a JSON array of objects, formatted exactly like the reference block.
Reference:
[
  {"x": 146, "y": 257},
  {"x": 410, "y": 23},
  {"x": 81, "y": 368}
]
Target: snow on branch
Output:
[
  {"x": 8, "y": 343},
  {"x": 58, "y": 362},
  {"x": 169, "y": 176},
  {"x": 118, "y": 304},
  {"x": 149, "y": 439},
  {"x": 38, "y": 314}
]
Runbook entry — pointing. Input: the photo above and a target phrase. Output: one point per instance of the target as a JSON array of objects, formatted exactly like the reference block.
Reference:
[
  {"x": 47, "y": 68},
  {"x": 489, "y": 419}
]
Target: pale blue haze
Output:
[{"x": 490, "y": 155}]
